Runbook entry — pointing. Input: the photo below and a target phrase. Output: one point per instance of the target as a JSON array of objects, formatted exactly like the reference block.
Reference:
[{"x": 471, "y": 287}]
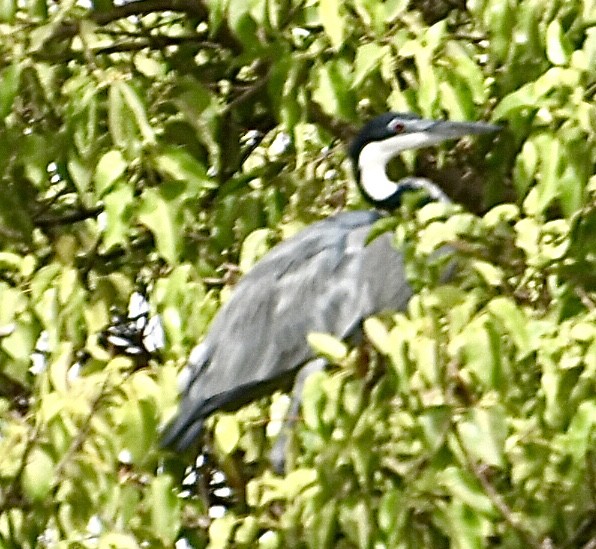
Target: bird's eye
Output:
[{"x": 397, "y": 127}]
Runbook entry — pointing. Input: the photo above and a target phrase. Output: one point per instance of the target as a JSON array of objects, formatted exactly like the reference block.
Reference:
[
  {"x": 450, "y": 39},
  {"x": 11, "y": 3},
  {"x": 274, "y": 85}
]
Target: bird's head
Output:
[{"x": 390, "y": 134}]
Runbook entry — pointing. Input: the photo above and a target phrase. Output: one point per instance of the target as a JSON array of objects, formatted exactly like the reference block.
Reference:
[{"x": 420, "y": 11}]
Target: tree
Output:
[{"x": 163, "y": 146}]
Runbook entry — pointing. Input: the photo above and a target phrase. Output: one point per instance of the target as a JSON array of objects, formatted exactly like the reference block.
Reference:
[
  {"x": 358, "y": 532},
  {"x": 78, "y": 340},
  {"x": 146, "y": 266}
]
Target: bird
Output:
[{"x": 327, "y": 278}]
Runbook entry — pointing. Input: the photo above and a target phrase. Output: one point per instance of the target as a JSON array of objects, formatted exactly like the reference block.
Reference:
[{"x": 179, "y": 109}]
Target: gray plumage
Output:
[
  {"x": 324, "y": 279},
  {"x": 305, "y": 284}
]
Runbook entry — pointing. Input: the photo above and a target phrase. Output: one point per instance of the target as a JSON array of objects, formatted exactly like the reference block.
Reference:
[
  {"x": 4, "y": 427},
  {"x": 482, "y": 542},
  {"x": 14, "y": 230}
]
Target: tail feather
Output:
[{"x": 187, "y": 424}]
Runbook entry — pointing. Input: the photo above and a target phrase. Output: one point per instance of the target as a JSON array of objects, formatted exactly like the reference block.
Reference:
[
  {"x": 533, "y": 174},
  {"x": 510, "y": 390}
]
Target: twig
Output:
[
  {"x": 68, "y": 218},
  {"x": 586, "y": 525},
  {"x": 342, "y": 130},
  {"x": 498, "y": 501},
  {"x": 194, "y": 8},
  {"x": 78, "y": 441},
  {"x": 155, "y": 42},
  {"x": 7, "y": 500},
  {"x": 586, "y": 300},
  {"x": 11, "y": 234}
]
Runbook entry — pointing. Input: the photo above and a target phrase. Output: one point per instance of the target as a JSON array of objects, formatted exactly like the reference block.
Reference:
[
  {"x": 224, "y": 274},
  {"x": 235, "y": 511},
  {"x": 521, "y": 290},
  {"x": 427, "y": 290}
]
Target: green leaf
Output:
[
  {"x": 109, "y": 169},
  {"x": 247, "y": 531},
  {"x": 159, "y": 212},
  {"x": 242, "y": 23},
  {"x": 255, "y": 245},
  {"x": 503, "y": 213},
  {"x": 368, "y": 59},
  {"x": 38, "y": 475},
  {"x": 313, "y": 399},
  {"x": 297, "y": 481},
  {"x": 525, "y": 167},
  {"x": 428, "y": 84},
  {"x": 353, "y": 397},
  {"x": 435, "y": 422},
  {"x": 466, "y": 526},
  {"x": 9, "y": 86},
  {"x": 456, "y": 99},
  {"x": 466, "y": 489},
  {"x": 333, "y": 89},
  {"x": 387, "y": 510},
  {"x": 523, "y": 98},
  {"x": 425, "y": 350},
  {"x": 137, "y": 425},
  {"x": 165, "y": 518},
  {"x": 38, "y": 8},
  {"x": 480, "y": 351},
  {"x": 332, "y": 20},
  {"x": 220, "y": 531},
  {"x": 551, "y": 158},
  {"x": 514, "y": 321},
  {"x": 58, "y": 369},
  {"x": 324, "y": 524},
  {"x": 483, "y": 432},
  {"x": 117, "y": 203},
  {"x": 581, "y": 429},
  {"x": 491, "y": 274},
  {"x": 8, "y": 9},
  {"x": 328, "y": 346},
  {"x": 558, "y": 47},
  {"x": 497, "y": 16},
  {"x": 467, "y": 70},
  {"x": 135, "y": 104},
  {"x": 378, "y": 334},
  {"x": 80, "y": 171},
  {"x": 182, "y": 166},
  {"x": 120, "y": 120},
  {"x": 227, "y": 433}
]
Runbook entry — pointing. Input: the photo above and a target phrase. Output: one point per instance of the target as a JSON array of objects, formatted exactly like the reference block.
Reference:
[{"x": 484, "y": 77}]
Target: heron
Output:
[{"x": 327, "y": 278}]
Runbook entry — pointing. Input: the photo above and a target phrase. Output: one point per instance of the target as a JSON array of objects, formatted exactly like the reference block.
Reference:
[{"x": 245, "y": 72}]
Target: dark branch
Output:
[
  {"x": 194, "y": 8},
  {"x": 68, "y": 218},
  {"x": 337, "y": 128},
  {"x": 85, "y": 428},
  {"x": 154, "y": 42}
]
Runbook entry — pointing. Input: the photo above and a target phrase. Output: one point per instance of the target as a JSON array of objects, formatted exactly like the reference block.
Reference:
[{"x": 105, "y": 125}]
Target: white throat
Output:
[{"x": 374, "y": 157}]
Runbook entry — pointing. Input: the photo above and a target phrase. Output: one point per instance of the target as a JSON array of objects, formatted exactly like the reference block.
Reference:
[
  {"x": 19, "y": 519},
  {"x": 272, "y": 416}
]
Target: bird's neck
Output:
[
  {"x": 375, "y": 184},
  {"x": 387, "y": 194}
]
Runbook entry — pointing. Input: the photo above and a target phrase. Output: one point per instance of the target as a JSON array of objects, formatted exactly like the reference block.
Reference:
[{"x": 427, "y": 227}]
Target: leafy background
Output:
[{"x": 163, "y": 146}]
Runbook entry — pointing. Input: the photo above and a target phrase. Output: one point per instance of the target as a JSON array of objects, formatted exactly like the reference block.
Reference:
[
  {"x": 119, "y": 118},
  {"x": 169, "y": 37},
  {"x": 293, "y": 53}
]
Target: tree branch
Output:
[
  {"x": 154, "y": 42},
  {"x": 68, "y": 218},
  {"x": 78, "y": 441},
  {"x": 194, "y": 8},
  {"x": 498, "y": 501}
]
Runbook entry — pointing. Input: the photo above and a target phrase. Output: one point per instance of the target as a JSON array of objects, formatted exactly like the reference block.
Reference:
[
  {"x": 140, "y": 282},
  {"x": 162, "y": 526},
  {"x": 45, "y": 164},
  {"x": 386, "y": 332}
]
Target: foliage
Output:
[{"x": 155, "y": 145}]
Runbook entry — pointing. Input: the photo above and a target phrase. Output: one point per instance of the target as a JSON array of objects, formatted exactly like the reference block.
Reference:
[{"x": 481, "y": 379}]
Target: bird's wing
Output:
[{"x": 324, "y": 279}]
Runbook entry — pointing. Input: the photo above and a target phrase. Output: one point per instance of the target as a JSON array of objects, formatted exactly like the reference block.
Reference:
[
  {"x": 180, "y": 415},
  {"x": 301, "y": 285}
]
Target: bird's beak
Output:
[{"x": 447, "y": 129}]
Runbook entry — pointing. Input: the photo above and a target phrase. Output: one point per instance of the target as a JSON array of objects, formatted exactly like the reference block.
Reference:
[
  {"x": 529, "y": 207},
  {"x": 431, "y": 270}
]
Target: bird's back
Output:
[{"x": 324, "y": 279}]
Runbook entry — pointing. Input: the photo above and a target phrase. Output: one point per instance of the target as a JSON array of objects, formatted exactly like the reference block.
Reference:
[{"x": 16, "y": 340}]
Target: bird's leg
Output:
[{"x": 278, "y": 452}]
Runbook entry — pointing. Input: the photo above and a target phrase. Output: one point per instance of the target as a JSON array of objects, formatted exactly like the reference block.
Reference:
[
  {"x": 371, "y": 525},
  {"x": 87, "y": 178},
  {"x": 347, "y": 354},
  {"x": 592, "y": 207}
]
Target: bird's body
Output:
[
  {"x": 305, "y": 284},
  {"x": 326, "y": 278}
]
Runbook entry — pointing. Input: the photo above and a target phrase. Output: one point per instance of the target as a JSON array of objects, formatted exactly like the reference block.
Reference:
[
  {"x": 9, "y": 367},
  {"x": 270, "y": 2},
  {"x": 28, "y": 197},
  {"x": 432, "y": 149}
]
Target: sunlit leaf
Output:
[
  {"x": 109, "y": 168},
  {"x": 9, "y": 85},
  {"x": 558, "y": 46},
  {"x": 38, "y": 474},
  {"x": 164, "y": 509},
  {"x": 227, "y": 433},
  {"x": 327, "y": 345},
  {"x": 159, "y": 212},
  {"x": 330, "y": 14},
  {"x": 483, "y": 433}
]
